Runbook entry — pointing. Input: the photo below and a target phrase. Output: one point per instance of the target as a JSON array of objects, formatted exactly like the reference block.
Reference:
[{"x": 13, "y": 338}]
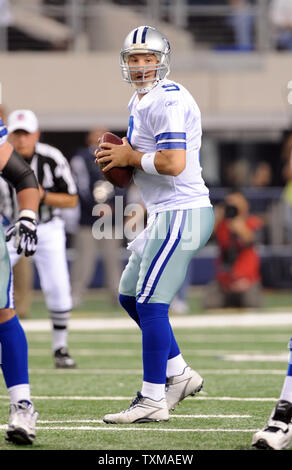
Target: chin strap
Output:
[{"x": 145, "y": 89}]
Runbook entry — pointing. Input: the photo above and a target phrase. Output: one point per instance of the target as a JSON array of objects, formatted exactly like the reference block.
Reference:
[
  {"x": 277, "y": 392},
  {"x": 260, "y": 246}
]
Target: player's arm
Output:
[
  {"x": 16, "y": 171},
  {"x": 64, "y": 192},
  {"x": 169, "y": 157},
  {"x": 61, "y": 200},
  {"x": 5, "y": 152},
  {"x": 166, "y": 162}
]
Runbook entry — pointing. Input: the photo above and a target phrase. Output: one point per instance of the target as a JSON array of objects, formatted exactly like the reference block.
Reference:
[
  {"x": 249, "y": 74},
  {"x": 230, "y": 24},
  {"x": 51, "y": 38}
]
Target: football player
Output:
[
  {"x": 57, "y": 191},
  {"x": 13, "y": 344},
  {"x": 163, "y": 144}
]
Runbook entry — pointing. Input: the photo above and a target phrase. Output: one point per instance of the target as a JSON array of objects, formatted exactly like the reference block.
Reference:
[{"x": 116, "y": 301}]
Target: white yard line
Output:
[
  {"x": 199, "y": 321},
  {"x": 100, "y": 421},
  {"x": 191, "y": 352},
  {"x": 255, "y": 357},
  {"x": 281, "y": 372},
  {"x": 100, "y": 338},
  {"x": 87, "y": 371},
  {"x": 105, "y": 398},
  {"x": 91, "y": 352},
  {"x": 151, "y": 428}
]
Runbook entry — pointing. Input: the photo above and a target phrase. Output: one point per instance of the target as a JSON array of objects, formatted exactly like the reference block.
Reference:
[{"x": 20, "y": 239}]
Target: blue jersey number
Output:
[
  {"x": 130, "y": 129},
  {"x": 171, "y": 87}
]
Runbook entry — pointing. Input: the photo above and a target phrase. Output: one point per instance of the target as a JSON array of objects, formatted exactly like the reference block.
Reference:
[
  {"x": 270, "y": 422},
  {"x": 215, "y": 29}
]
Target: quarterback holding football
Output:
[{"x": 163, "y": 146}]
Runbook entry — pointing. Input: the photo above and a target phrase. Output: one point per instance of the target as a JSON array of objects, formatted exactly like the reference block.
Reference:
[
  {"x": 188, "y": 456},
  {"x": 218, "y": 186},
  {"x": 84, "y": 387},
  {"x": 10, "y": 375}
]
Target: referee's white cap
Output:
[{"x": 23, "y": 119}]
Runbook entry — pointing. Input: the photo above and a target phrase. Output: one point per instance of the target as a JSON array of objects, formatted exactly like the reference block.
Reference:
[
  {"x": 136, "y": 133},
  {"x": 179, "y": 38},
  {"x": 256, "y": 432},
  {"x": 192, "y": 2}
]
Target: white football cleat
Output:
[
  {"x": 277, "y": 434},
  {"x": 141, "y": 410},
  {"x": 181, "y": 386},
  {"x": 22, "y": 423}
]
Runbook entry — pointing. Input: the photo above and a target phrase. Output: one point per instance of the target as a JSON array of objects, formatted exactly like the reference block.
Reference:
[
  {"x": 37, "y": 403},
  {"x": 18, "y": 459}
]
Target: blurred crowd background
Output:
[{"x": 60, "y": 58}]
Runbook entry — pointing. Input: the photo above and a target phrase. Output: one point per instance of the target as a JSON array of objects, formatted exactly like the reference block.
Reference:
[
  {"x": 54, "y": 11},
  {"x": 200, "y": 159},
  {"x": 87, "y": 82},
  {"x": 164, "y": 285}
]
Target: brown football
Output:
[{"x": 118, "y": 175}]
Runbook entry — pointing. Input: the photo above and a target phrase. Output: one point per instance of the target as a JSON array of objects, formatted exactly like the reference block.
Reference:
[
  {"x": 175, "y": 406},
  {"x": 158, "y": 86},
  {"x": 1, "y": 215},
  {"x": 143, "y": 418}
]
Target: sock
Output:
[
  {"x": 154, "y": 391},
  {"x": 156, "y": 340},
  {"x": 13, "y": 346},
  {"x": 286, "y": 393},
  {"x": 175, "y": 366},
  {"x": 174, "y": 349},
  {"x": 19, "y": 393},
  {"x": 59, "y": 338},
  {"x": 60, "y": 320}
]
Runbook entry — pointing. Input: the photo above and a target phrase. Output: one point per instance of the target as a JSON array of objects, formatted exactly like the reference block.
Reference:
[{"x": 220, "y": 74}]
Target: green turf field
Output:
[{"x": 243, "y": 370}]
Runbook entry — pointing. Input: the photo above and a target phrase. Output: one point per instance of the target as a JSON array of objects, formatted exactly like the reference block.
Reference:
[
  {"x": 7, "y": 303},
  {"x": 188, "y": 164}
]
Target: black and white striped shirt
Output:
[{"x": 53, "y": 173}]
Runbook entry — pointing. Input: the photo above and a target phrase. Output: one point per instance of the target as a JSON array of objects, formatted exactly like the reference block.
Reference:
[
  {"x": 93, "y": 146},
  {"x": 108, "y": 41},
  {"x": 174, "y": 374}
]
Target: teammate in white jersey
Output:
[{"x": 163, "y": 144}]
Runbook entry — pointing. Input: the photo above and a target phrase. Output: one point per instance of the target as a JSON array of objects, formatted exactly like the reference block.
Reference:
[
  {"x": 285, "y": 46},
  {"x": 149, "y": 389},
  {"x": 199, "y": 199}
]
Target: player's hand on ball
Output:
[
  {"x": 24, "y": 232},
  {"x": 111, "y": 155},
  {"x": 110, "y": 163}
]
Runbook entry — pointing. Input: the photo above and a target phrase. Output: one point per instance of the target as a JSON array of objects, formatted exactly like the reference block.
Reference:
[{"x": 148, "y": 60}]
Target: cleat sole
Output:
[
  {"x": 262, "y": 444},
  {"x": 199, "y": 388},
  {"x": 138, "y": 421},
  {"x": 19, "y": 437}
]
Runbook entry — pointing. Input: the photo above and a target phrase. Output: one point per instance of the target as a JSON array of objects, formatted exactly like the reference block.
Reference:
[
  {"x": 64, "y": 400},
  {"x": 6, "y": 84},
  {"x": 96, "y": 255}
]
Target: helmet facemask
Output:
[{"x": 161, "y": 71}]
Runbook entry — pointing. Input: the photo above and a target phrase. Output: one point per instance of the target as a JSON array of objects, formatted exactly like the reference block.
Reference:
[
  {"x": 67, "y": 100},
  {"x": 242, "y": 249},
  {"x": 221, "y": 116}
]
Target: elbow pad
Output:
[{"x": 18, "y": 173}]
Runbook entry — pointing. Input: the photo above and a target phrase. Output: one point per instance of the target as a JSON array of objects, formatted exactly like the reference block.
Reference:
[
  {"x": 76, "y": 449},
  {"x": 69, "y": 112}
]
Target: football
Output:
[{"x": 118, "y": 176}]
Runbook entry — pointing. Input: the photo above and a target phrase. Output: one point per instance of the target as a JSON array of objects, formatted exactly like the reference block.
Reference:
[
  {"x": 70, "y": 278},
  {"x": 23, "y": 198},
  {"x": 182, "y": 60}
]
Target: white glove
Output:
[
  {"x": 3, "y": 132},
  {"x": 25, "y": 232}
]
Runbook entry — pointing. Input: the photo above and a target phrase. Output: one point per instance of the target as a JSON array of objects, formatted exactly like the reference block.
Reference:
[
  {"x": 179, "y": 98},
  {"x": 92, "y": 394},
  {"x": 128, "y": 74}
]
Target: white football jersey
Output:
[{"x": 168, "y": 118}]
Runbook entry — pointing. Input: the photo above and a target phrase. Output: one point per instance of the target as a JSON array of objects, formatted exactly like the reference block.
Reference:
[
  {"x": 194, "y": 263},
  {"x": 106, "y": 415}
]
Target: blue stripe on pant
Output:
[
  {"x": 176, "y": 242},
  {"x": 163, "y": 256},
  {"x": 157, "y": 256}
]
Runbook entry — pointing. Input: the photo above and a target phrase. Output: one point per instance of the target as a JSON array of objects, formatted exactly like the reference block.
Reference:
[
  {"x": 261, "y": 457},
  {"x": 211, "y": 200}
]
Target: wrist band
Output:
[
  {"x": 27, "y": 213},
  {"x": 147, "y": 163}
]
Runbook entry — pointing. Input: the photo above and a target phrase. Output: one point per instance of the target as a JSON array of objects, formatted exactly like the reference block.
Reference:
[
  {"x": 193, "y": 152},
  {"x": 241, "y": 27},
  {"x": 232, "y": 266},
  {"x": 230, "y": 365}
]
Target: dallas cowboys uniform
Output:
[
  {"x": 163, "y": 116},
  {"x": 167, "y": 118}
]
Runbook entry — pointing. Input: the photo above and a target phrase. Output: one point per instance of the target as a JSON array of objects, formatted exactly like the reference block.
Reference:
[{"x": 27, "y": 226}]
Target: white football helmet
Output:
[{"x": 145, "y": 40}]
